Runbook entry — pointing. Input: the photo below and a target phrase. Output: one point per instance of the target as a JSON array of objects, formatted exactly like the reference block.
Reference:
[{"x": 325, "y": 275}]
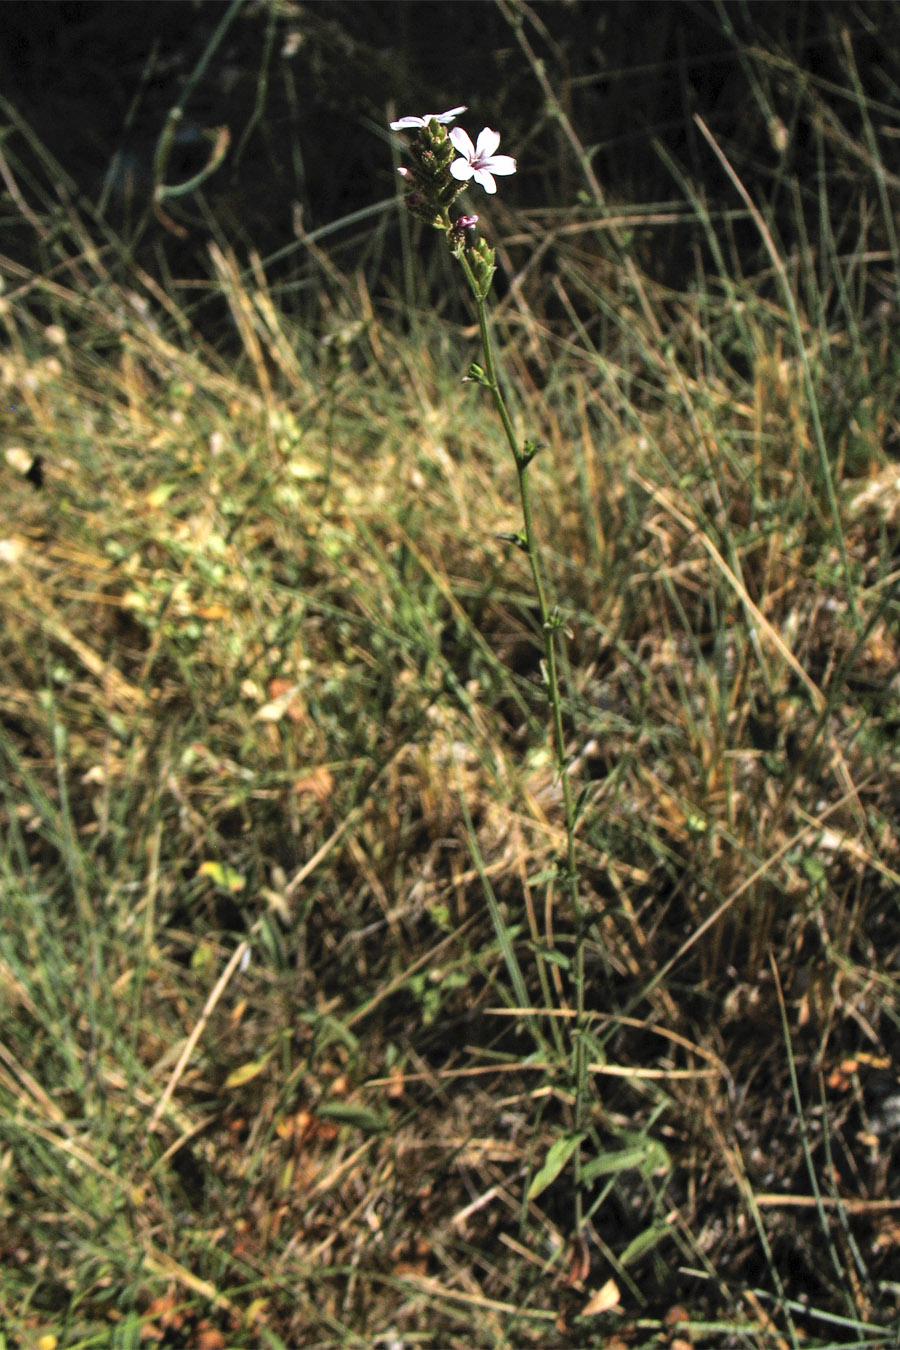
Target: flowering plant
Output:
[{"x": 441, "y": 164}]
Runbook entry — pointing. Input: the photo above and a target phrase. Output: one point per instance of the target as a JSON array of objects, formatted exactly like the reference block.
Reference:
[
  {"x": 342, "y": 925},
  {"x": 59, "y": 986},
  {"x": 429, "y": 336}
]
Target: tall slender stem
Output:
[{"x": 550, "y": 625}]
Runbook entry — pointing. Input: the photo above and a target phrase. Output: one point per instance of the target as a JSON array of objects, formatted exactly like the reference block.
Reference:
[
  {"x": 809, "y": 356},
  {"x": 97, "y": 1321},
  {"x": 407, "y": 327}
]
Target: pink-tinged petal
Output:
[
  {"x": 407, "y": 123},
  {"x": 453, "y": 112},
  {"x": 461, "y": 169},
  {"x": 501, "y": 164},
  {"x": 484, "y": 178},
  {"x": 487, "y": 143},
  {"x": 461, "y": 141}
]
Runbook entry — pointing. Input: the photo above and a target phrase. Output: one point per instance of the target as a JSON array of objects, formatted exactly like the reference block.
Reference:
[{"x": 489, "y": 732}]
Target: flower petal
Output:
[
  {"x": 487, "y": 143},
  {"x": 501, "y": 164},
  {"x": 406, "y": 123},
  {"x": 462, "y": 142},
  {"x": 484, "y": 178},
  {"x": 461, "y": 169}
]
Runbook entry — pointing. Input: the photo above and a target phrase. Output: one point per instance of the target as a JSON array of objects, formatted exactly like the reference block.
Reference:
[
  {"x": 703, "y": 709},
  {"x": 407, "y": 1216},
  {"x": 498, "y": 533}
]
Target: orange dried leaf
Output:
[
  {"x": 411, "y": 1268},
  {"x": 888, "y": 1236},
  {"x": 209, "y": 1338},
  {"x": 675, "y": 1315},
  {"x": 839, "y": 1078},
  {"x": 579, "y": 1265},
  {"x": 395, "y": 1088},
  {"x": 602, "y": 1301},
  {"x": 320, "y": 783},
  {"x": 284, "y": 701},
  {"x": 873, "y": 1061}
]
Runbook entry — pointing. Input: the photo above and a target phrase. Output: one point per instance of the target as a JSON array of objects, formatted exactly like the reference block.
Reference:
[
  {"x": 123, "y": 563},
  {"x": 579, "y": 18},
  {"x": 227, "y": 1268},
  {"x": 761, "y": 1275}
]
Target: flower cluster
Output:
[
  {"x": 437, "y": 178},
  {"x": 433, "y": 188}
]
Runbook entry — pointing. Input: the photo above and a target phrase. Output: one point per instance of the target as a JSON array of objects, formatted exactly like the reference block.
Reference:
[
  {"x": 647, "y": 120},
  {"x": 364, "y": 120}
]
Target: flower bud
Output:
[
  {"x": 482, "y": 263},
  {"x": 456, "y": 235}
]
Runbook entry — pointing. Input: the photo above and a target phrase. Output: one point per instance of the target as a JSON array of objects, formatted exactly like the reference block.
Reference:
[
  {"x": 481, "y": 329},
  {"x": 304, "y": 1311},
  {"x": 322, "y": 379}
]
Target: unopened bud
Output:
[{"x": 456, "y": 235}]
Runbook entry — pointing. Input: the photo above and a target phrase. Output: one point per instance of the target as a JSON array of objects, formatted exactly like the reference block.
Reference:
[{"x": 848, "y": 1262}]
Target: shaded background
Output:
[{"x": 304, "y": 90}]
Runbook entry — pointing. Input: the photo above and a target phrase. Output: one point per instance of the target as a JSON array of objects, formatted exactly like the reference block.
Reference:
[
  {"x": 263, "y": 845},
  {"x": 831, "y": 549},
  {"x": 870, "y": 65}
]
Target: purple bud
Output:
[{"x": 456, "y": 235}]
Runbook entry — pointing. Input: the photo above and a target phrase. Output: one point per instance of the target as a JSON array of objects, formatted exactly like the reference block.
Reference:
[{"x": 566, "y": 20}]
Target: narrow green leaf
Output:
[
  {"x": 247, "y": 1072},
  {"x": 554, "y": 957},
  {"x": 557, "y": 1157},
  {"x": 361, "y": 1117},
  {"x": 624, "y": 1160},
  {"x": 581, "y": 800},
  {"x": 644, "y": 1242},
  {"x": 223, "y": 876},
  {"x": 643, "y": 1154}
]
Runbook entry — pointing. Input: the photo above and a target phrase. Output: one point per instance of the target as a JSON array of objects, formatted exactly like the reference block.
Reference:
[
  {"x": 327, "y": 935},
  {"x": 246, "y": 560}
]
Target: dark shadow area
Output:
[{"x": 304, "y": 92}]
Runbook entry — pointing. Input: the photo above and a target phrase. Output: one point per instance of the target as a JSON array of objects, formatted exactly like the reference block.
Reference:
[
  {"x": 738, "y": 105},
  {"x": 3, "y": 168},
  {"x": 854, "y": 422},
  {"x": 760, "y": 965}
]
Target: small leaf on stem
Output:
[
  {"x": 517, "y": 538},
  {"x": 475, "y": 375}
]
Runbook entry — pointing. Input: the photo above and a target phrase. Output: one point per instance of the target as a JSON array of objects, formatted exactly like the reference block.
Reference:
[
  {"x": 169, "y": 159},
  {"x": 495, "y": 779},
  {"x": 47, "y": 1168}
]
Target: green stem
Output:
[{"x": 550, "y": 624}]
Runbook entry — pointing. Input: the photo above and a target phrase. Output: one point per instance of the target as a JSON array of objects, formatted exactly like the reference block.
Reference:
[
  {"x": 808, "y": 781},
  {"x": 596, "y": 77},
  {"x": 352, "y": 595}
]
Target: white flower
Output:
[
  {"x": 479, "y": 161},
  {"x": 406, "y": 123}
]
